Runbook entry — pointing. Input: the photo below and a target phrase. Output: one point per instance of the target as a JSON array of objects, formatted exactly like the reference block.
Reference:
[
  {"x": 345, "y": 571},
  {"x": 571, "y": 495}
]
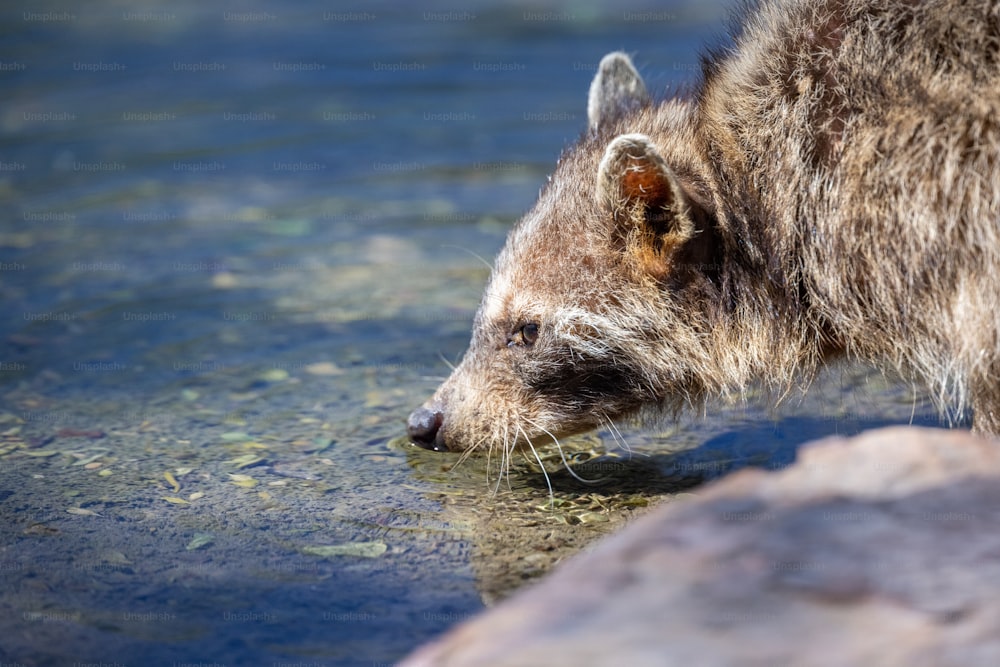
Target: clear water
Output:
[{"x": 245, "y": 241}]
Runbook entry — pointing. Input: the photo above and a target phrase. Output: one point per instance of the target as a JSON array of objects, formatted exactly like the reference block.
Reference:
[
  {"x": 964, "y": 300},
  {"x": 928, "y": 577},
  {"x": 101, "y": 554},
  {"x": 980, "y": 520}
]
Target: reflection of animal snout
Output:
[{"x": 423, "y": 427}]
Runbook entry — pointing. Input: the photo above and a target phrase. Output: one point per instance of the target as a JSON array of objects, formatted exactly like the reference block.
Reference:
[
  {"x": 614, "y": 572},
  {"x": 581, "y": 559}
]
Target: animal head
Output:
[{"x": 585, "y": 317}]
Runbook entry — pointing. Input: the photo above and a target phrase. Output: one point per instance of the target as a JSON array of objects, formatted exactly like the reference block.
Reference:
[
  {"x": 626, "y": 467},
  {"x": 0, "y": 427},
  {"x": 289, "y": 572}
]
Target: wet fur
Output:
[{"x": 830, "y": 188}]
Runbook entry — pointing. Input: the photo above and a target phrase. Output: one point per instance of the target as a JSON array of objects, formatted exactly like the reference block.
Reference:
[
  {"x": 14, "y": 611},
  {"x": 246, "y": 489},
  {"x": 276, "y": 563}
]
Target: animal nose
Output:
[{"x": 423, "y": 426}]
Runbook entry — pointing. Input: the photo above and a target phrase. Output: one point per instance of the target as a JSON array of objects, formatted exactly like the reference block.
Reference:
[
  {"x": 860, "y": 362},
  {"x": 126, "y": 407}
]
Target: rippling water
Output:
[{"x": 237, "y": 246}]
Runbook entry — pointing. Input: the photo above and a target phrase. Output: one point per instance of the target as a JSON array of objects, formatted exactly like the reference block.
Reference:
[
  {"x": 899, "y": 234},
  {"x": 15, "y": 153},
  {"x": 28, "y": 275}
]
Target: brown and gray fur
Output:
[{"x": 831, "y": 188}]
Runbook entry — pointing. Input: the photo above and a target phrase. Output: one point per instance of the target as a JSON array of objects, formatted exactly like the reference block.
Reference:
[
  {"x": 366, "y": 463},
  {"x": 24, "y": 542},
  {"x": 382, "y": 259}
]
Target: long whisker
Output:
[
  {"x": 619, "y": 438},
  {"x": 489, "y": 460},
  {"x": 562, "y": 455},
  {"x": 476, "y": 255},
  {"x": 616, "y": 435},
  {"x": 447, "y": 363},
  {"x": 506, "y": 454},
  {"x": 509, "y": 448},
  {"x": 548, "y": 482},
  {"x": 500, "y": 466},
  {"x": 468, "y": 452}
]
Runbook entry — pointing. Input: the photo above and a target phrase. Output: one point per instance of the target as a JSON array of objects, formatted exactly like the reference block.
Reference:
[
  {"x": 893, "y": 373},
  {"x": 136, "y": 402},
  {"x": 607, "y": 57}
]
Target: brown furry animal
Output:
[{"x": 831, "y": 188}]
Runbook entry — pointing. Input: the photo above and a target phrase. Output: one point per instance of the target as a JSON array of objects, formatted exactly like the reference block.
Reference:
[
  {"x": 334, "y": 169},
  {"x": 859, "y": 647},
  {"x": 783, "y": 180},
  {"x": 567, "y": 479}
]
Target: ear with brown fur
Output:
[
  {"x": 637, "y": 187},
  {"x": 616, "y": 89}
]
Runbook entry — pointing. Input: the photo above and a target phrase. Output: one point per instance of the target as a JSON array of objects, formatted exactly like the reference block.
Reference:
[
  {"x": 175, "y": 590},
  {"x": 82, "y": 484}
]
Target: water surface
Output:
[{"x": 238, "y": 246}]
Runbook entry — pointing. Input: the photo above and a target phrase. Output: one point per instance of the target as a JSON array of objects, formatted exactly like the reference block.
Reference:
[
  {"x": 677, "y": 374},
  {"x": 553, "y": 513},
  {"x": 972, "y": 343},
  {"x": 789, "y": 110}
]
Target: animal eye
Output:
[{"x": 525, "y": 336}]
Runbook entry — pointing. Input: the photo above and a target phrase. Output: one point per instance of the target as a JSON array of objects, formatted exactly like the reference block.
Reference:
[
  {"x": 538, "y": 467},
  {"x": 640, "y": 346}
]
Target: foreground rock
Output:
[{"x": 881, "y": 549}]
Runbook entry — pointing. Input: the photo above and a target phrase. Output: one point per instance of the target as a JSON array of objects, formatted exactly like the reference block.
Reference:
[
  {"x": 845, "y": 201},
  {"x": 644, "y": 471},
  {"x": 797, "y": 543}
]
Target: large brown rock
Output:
[{"x": 882, "y": 549}]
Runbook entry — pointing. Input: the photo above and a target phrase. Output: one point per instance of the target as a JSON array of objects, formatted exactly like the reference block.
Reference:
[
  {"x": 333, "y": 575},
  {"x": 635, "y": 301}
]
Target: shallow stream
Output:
[{"x": 237, "y": 247}]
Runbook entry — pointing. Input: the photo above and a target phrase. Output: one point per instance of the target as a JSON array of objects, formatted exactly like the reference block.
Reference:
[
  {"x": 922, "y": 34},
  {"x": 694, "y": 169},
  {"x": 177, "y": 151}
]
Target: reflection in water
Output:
[{"x": 519, "y": 528}]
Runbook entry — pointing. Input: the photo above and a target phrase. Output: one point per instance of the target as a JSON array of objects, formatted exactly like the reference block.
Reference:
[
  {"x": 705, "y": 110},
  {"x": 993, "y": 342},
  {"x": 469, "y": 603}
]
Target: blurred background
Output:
[
  {"x": 191, "y": 188},
  {"x": 238, "y": 244}
]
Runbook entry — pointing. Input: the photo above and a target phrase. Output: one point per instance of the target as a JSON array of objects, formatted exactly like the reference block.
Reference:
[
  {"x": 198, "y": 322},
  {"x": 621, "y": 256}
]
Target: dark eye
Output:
[{"x": 525, "y": 336}]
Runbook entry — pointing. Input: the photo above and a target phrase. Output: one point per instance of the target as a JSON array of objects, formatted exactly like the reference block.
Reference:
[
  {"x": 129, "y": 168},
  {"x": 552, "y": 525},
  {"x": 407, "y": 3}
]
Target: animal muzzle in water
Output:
[{"x": 424, "y": 428}]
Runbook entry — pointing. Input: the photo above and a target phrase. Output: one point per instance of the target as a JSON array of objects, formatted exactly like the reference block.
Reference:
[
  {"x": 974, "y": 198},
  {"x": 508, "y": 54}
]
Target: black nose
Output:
[{"x": 423, "y": 426}]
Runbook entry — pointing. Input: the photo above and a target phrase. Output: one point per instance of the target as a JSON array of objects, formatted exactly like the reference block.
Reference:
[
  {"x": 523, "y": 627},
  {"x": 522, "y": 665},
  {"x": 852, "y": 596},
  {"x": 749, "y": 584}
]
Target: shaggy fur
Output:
[{"x": 831, "y": 188}]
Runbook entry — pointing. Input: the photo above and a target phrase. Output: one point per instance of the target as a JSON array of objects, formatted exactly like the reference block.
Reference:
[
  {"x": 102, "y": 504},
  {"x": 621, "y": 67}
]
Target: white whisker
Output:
[
  {"x": 474, "y": 254},
  {"x": 503, "y": 453},
  {"x": 562, "y": 455},
  {"x": 468, "y": 452},
  {"x": 617, "y": 435},
  {"x": 509, "y": 454},
  {"x": 548, "y": 482},
  {"x": 447, "y": 363}
]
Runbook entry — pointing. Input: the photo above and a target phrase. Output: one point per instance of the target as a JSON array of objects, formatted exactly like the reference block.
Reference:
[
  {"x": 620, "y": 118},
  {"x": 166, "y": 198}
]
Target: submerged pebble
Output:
[{"x": 360, "y": 549}]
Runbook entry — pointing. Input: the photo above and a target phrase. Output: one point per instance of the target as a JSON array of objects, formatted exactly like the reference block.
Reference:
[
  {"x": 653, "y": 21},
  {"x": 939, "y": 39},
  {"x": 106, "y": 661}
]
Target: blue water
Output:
[{"x": 199, "y": 204}]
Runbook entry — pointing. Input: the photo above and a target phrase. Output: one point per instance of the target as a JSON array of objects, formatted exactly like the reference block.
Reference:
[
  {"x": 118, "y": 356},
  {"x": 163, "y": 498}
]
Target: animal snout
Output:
[{"x": 423, "y": 427}]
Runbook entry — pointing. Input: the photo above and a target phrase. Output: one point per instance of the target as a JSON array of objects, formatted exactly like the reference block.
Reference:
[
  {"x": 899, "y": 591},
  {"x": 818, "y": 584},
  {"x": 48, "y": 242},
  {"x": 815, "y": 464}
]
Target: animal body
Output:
[{"x": 830, "y": 188}]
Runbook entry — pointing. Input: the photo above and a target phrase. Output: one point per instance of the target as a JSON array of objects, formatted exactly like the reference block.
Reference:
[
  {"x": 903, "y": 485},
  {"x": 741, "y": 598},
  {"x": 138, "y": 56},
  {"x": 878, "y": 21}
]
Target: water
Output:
[{"x": 237, "y": 247}]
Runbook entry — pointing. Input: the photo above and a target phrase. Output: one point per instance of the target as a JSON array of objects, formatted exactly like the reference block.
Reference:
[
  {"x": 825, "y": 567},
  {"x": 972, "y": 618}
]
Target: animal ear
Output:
[
  {"x": 616, "y": 89},
  {"x": 637, "y": 187},
  {"x": 632, "y": 171}
]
